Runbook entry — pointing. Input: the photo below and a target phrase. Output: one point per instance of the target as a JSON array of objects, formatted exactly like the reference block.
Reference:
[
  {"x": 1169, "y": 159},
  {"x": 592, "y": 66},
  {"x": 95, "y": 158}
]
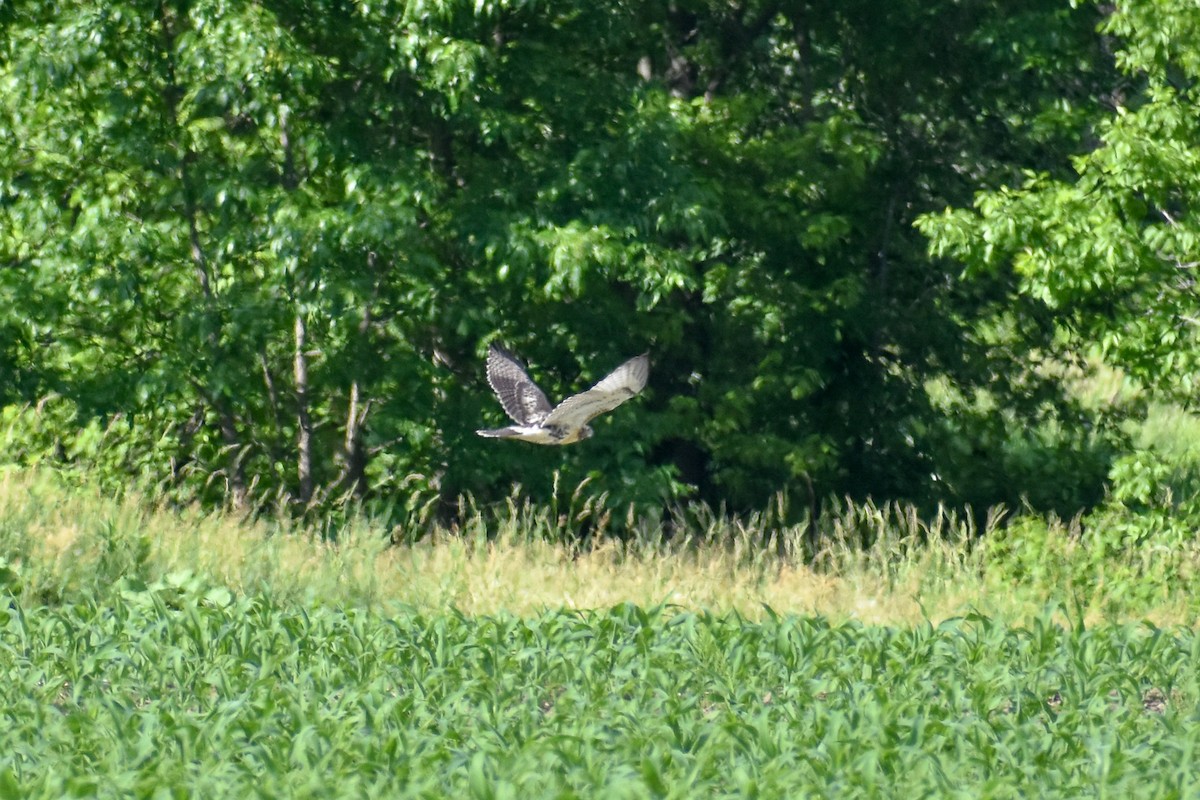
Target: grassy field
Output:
[
  {"x": 151, "y": 653},
  {"x": 60, "y": 544}
]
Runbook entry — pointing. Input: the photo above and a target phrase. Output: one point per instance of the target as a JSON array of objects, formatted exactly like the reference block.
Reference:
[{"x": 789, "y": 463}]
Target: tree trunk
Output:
[
  {"x": 354, "y": 457},
  {"x": 304, "y": 427}
]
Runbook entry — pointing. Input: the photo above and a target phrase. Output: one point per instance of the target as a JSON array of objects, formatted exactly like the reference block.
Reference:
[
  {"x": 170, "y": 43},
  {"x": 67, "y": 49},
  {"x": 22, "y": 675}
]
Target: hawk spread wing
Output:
[
  {"x": 618, "y": 386},
  {"x": 536, "y": 421},
  {"x": 520, "y": 396}
]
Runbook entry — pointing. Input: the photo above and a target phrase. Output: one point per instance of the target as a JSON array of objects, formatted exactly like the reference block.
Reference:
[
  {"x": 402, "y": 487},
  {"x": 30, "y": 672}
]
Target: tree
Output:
[
  {"x": 264, "y": 247},
  {"x": 1112, "y": 248},
  {"x": 178, "y": 206},
  {"x": 816, "y": 315},
  {"x": 229, "y": 219}
]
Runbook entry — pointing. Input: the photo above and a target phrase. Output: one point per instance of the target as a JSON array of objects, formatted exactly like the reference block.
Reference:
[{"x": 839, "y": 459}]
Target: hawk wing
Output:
[
  {"x": 618, "y": 386},
  {"x": 521, "y": 398}
]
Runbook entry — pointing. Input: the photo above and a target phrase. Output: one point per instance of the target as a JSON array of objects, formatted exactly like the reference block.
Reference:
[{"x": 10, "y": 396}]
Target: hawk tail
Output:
[{"x": 498, "y": 433}]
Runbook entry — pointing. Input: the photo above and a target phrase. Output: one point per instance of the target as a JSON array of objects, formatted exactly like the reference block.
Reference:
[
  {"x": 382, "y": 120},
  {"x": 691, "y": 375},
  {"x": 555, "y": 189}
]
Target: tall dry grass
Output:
[{"x": 56, "y": 542}]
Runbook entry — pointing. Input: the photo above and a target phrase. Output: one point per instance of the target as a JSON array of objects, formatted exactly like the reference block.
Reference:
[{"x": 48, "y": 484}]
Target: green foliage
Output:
[
  {"x": 1153, "y": 509},
  {"x": 1136, "y": 544},
  {"x": 186, "y": 685},
  {"x": 1112, "y": 248},
  {"x": 260, "y": 249},
  {"x": 827, "y": 296}
]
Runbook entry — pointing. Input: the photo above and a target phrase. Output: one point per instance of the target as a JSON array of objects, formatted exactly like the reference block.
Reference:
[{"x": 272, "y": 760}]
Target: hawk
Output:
[{"x": 567, "y": 422}]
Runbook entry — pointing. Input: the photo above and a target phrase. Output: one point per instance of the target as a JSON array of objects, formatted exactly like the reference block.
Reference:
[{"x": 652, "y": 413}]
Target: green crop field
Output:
[
  {"x": 154, "y": 653},
  {"x": 178, "y": 690}
]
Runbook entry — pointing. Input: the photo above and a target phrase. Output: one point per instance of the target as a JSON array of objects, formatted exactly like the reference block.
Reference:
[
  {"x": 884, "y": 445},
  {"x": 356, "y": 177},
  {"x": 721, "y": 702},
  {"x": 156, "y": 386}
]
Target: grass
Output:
[
  {"x": 154, "y": 653},
  {"x": 60, "y": 543}
]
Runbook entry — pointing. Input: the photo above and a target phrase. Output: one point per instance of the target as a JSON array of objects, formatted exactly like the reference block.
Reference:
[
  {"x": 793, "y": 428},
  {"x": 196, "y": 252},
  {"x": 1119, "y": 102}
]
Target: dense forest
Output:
[{"x": 255, "y": 253}]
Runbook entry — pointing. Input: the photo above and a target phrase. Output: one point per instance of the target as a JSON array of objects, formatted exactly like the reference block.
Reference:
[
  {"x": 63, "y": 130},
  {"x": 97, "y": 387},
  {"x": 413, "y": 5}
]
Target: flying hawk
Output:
[{"x": 536, "y": 421}]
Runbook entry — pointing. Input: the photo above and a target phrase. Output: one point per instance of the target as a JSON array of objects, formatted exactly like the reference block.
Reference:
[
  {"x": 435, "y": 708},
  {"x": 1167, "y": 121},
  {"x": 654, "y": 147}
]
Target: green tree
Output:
[
  {"x": 817, "y": 318},
  {"x": 1112, "y": 247},
  {"x": 259, "y": 250},
  {"x": 277, "y": 237}
]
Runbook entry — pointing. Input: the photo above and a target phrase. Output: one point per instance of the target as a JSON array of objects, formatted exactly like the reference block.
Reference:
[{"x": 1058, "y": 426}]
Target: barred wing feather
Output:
[{"x": 520, "y": 396}]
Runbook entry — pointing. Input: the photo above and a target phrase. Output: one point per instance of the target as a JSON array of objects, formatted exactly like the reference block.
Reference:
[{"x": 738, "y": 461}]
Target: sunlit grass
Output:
[{"x": 524, "y": 561}]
